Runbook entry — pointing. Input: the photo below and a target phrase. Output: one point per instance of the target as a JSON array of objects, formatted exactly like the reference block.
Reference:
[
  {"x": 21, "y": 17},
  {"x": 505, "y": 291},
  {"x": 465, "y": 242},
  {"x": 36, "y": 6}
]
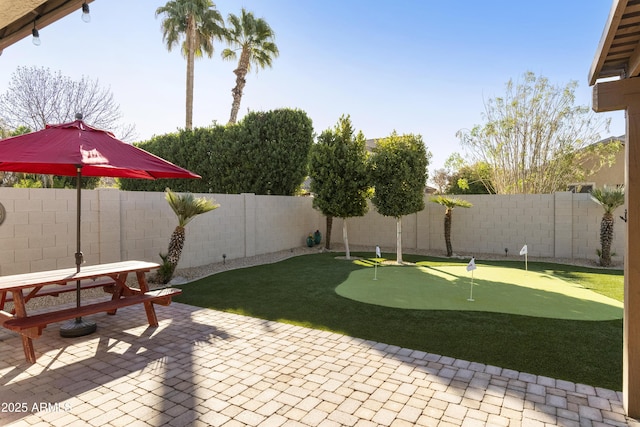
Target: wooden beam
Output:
[
  {"x": 48, "y": 13},
  {"x": 633, "y": 65},
  {"x": 631, "y": 334},
  {"x": 625, "y": 95},
  {"x": 615, "y": 15},
  {"x": 635, "y": 8},
  {"x": 615, "y": 95}
]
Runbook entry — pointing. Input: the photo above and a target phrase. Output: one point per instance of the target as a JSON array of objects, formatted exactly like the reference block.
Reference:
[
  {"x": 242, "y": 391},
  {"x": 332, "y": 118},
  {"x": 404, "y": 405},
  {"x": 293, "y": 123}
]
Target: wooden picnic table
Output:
[{"x": 50, "y": 282}]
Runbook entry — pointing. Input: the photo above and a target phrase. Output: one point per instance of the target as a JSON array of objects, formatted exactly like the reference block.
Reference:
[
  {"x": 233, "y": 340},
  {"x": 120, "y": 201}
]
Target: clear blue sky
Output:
[{"x": 416, "y": 66}]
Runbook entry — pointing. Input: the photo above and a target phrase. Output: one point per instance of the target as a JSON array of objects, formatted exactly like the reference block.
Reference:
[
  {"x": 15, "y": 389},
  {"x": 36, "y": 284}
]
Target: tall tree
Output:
[
  {"x": 471, "y": 179},
  {"x": 399, "y": 174},
  {"x": 253, "y": 38},
  {"x": 339, "y": 176},
  {"x": 441, "y": 178},
  {"x": 534, "y": 136},
  {"x": 449, "y": 203},
  {"x": 193, "y": 25},
  {"x": 37, "y": 96},
  {"x": 610, "y": 199}
]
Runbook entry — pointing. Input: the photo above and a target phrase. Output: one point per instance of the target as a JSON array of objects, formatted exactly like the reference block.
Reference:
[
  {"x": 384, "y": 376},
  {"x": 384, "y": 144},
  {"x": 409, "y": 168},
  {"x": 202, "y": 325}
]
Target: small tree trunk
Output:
[
  {"x": 447, "y": 231},
  {"x": 399, "y": 240},
  {"x": 175, "y": 247},
  {"x": 345, "y": 238},
  {"x": 327, "y": 238},
  {"x": 606, "y": 238}
]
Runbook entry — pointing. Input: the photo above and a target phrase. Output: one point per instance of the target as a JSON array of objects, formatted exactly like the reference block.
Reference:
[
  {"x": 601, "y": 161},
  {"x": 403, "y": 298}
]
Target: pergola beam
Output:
[
  {"x": 46, "y": 12},
  {"x": 614, "y": 95},
  {"x": 615, "y": 16},
  {"x": 625, "y": 95}
]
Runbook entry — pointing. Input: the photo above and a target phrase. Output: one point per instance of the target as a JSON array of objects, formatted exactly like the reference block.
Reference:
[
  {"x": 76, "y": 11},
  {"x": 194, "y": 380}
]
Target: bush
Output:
[{"x": 266, "y": 153}]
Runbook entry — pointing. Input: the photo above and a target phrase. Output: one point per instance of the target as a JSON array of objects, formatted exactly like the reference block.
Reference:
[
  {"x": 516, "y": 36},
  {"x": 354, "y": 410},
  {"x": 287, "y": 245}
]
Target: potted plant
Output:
[
  {"x": 310, "y": 240},
  {"x": 317, "y": 237}
]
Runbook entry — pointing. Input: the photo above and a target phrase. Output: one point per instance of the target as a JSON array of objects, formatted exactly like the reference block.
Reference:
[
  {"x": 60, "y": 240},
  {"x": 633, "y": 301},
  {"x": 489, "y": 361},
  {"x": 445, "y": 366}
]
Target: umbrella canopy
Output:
[
  {"x": 61, "y": 149},
  {"x": 76, "y": 149}
]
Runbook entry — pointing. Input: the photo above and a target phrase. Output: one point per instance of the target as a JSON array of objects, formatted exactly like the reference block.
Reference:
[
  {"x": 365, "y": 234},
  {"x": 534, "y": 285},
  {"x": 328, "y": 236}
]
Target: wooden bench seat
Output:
[
  {"x": 158, "y": 296},
  {"x": 56, "y": 290}
]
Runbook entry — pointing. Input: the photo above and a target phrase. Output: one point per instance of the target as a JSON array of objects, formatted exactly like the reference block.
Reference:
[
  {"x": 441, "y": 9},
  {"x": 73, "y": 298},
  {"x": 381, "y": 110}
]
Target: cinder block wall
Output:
[
  {"x": 560, "y": 225},
  {"x": 39, "y": 232},
  {"x": 244, "y": 225}
]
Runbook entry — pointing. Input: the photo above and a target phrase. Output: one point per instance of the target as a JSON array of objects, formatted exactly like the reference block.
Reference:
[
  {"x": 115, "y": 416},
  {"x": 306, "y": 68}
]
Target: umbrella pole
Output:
[{"x": 78, "y": 327}]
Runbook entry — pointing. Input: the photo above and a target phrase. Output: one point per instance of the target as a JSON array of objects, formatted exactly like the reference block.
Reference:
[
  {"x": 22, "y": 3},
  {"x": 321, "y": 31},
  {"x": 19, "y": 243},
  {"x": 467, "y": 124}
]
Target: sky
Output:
[{"x": 414, "y": 66}]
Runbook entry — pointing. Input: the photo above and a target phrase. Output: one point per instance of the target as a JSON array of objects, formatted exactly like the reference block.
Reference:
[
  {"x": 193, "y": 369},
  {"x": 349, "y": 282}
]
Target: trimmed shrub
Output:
[{"x": 266, "y": 153}]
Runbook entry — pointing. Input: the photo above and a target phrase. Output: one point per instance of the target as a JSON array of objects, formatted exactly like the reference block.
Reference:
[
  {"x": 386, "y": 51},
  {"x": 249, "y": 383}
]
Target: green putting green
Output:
[{"x": 495, "y": 289}]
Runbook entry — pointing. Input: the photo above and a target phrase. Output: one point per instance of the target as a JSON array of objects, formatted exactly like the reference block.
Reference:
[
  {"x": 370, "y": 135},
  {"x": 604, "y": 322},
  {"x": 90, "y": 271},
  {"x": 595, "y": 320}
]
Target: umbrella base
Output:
[{"x": 77, "y": 328}]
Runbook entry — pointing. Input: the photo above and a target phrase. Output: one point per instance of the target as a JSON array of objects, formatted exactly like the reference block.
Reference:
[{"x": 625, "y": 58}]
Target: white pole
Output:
[
  {"x": 375, "y": 262},
  {"x": 471, "y": 295},
  {"x": 526, "y": 266}
]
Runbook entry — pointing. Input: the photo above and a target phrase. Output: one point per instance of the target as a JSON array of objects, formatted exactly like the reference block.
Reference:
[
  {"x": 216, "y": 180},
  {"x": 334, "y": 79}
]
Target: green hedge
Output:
[{"x": 265, "y": 153}]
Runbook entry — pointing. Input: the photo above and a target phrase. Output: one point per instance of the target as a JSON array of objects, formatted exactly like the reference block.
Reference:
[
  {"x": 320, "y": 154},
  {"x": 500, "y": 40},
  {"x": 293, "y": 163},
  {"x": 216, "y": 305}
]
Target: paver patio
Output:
[{"x": 210, "y": 368}]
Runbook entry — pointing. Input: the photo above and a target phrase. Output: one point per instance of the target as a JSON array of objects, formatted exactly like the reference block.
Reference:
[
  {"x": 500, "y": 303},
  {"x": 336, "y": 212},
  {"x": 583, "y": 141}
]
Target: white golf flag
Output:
[
  {"x": 472, "y": 265},
  {"x": 524, "y": 250},
  {"x": 378, "y": 254}
]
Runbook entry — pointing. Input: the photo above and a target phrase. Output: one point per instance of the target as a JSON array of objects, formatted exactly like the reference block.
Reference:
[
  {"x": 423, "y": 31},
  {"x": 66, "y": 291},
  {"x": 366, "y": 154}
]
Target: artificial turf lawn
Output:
[
  {"x": 510, "y": 289},
  {"x": 301, "y": 291}
]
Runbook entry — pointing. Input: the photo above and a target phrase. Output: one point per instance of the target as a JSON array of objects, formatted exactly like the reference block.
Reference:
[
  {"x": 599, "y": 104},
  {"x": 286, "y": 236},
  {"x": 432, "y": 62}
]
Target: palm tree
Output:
[
  {"x": 199, "y": 23},
  {"x": 609, "y": 199},
  {"x": 186, "y": 207},
  {"x": 254, "y": 39},
  {"x": 449, "y": 203}
]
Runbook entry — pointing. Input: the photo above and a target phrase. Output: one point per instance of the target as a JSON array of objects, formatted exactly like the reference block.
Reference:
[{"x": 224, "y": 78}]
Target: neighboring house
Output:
[{"x": 610, "y": 175}]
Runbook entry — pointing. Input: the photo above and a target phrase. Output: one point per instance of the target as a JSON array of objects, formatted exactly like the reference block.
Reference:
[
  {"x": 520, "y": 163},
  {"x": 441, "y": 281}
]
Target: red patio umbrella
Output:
[{"x": 76, "y": 149}]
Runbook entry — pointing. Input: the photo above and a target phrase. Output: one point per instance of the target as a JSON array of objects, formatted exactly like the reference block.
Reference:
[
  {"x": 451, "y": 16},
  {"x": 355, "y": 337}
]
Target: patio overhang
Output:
[
  {"x": 17, "y": 16},
  {"x": 617, "y": 59}
]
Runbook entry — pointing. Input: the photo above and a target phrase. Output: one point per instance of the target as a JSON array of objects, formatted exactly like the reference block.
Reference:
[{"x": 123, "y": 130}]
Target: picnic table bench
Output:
[{"x": 112, "y": 277}]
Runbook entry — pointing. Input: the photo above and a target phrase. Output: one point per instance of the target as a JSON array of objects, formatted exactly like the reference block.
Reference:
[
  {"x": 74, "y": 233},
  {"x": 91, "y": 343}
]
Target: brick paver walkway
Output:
[{"x": 207, "y": 368}]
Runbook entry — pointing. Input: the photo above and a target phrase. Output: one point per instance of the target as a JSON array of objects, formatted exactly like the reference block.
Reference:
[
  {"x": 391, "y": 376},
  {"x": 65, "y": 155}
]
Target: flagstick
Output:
[
  {"x": 526, "y": 267},
  {"x": 471, "y": 295}
]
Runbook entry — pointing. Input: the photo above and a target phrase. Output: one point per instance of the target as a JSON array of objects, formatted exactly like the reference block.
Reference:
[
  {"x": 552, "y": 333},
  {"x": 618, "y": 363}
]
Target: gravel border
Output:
[{"x": 187, "y": 275}]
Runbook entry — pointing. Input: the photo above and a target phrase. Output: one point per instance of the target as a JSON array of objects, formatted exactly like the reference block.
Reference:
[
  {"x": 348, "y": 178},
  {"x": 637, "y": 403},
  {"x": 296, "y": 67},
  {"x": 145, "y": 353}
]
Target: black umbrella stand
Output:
[{"x": 78, "y": 327}]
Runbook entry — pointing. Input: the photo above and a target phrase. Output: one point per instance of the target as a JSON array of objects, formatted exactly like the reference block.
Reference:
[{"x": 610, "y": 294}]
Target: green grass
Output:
[
  {"x": 301, "y": 291},
  {"x": 495, "y": 289}
]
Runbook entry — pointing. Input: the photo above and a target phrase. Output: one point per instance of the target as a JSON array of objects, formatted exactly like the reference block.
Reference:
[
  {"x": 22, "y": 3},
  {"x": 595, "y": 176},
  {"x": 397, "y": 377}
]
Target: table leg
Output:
[
  {"x": 29, "y": 352},
  {"x": 21, "y": 311},
  {"x": 121, "y": 288},
  {"x": 148, "y": 306}
]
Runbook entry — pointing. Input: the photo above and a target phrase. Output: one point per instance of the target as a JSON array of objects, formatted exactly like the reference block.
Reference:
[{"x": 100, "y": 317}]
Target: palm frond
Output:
[
  {"x": 229, "y": 54},
  {"x": 609, "y": 198},
  {"x": 209, "y": 25},
  {"x": 245, "y": 32},
  {"x": 451, "y": 202},
  {"x": 186, "y": 206}
]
